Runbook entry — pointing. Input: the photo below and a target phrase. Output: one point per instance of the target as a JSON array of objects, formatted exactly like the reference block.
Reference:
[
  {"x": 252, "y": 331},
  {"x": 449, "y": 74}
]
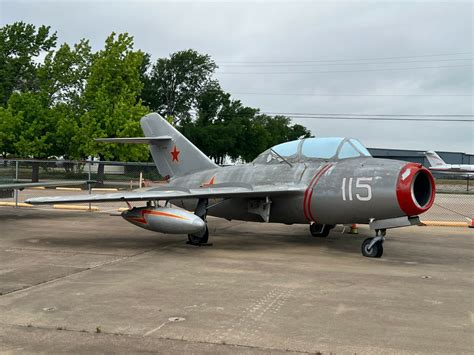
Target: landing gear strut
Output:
[
  {"x": 373, "y": 247},
  {"x": 320, "y": 230}
]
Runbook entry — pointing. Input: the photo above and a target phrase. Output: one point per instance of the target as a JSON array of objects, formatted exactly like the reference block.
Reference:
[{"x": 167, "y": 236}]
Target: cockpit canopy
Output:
[{"x": 325, "y": 148}]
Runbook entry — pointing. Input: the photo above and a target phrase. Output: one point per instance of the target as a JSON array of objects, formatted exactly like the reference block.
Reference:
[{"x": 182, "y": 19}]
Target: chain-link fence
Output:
[
  {"x": 81, "y": 176},
  {"x": 119, "y": 175},
  {"x": 454, "y": 198}
]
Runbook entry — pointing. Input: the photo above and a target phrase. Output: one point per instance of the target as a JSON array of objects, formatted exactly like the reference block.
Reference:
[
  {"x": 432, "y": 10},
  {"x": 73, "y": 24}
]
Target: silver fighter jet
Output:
[{"x": 316, "y": 181}]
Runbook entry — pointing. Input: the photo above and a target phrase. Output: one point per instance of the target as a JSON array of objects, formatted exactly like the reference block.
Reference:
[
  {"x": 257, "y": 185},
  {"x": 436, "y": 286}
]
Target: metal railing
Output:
[
  {"x": 87, "y": 173},
  {"x": 106, "y": 173}
]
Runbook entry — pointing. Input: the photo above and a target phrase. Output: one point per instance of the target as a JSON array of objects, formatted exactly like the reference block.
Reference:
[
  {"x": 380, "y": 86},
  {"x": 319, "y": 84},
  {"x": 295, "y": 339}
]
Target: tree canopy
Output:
[
  {"x": 20, "y": 46},
  {"x": 112, "y": 107},
  {"x": 55, "y": 100},
  {"x": 175, "y": 83}
]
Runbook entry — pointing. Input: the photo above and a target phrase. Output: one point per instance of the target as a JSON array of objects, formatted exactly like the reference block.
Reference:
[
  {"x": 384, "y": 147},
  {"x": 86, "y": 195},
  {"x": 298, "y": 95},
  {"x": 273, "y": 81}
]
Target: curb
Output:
[
  {"x": 13, "y": 204},
  {"x": 444, "y": 224}
]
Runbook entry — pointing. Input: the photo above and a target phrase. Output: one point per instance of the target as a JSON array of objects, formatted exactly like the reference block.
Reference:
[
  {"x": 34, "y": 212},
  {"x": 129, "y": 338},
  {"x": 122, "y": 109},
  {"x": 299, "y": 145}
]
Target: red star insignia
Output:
[{"x": 175, "y": 154}]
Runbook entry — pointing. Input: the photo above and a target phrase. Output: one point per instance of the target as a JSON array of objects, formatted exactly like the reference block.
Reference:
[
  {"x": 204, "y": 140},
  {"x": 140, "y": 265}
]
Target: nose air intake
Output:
[
  {"x": 415, "y": 189},
  {"x": 422, "y": 189}
]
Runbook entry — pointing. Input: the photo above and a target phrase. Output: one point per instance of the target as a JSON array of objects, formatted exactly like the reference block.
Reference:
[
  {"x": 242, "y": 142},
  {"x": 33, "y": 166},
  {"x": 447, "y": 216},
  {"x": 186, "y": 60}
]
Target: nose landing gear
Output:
[{"x": 373, "y": 247}]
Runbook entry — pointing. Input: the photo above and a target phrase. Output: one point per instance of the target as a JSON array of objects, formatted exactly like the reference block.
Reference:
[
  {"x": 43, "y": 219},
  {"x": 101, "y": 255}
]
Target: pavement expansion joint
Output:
[
  {"x": 138, "y": 337},
  {"x": 80, "y": 270},
  {"x": 83, "y": 270},
  {"x": 60, "y": 251}
]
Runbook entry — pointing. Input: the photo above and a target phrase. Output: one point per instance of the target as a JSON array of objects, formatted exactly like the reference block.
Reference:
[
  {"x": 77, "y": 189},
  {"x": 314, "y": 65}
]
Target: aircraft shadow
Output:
[{"x": 108, "y": 243}]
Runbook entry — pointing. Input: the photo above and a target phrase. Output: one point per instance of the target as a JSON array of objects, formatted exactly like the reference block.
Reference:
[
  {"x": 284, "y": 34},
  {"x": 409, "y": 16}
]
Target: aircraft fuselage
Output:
[{"x": 335, "y": 192}]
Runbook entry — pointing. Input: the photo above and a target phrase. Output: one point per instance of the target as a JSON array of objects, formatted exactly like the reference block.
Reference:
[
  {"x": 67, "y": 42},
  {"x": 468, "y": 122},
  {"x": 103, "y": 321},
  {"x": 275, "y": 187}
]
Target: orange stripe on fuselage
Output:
[
  {"x": 306, "y": 193},
  {"x": 323, "y": 171},
  {"x": 309, "y": 192}
]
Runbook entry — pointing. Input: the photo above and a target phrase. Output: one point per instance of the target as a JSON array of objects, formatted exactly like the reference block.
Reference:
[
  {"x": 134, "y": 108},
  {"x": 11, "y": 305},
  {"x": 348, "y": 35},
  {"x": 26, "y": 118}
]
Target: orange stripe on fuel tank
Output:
[
  {"x": 154, "y": 213},
  {"x": 164, "y": 214}
]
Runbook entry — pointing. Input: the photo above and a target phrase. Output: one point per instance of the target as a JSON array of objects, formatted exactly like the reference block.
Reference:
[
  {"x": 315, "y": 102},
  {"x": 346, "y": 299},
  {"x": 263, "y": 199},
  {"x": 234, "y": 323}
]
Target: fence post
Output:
[
  {"x": 16, "y": 180},
  {"x": 89, "y": 185}
]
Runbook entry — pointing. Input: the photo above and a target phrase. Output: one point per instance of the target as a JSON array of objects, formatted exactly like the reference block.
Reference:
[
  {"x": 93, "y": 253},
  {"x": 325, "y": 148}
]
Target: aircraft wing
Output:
[
  {"x": 175, "y": 193},
  {"x": 24, "y": 185}
]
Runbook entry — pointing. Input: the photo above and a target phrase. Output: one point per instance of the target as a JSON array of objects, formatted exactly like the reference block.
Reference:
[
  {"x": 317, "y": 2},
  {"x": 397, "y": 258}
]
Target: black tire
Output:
[
  {"x": 197, "y": 239},
  {"x": 380, "y": 252},
  {"x": 375, "y": 252},
  {"x": 320, "y": 232}
]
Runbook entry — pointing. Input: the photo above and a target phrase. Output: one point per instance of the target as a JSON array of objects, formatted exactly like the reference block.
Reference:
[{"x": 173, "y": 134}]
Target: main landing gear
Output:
[
  {"x": 202, "y": 238},
  {"x": 199, "y": 239},
  {"x": 373, "y": 247},
  {"x": 320, "y": 230}
]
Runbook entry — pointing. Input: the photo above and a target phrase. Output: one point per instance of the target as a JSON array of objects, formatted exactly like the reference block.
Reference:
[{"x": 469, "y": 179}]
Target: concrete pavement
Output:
[{"x": 260, "y": 288}]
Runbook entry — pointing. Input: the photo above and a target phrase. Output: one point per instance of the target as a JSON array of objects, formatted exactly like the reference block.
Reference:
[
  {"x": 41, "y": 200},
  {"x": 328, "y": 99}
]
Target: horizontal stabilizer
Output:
[
  {"x": 434, "y": 159},
  {"x": 136, "y": 140}
]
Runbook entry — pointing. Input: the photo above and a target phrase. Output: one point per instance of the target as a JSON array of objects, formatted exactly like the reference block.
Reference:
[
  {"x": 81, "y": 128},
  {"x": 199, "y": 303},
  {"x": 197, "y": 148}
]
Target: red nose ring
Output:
[{"x": 415, "y": 189}]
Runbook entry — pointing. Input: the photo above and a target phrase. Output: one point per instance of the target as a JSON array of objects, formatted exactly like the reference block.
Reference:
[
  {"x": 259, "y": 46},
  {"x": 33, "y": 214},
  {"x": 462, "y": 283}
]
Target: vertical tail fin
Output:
[
  {"x": 176, "y": 155},
  {"x": 434, "y": 159}
]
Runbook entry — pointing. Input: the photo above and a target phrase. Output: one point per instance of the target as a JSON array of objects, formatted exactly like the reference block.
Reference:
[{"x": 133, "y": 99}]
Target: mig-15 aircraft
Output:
[{"x": 320, "y": 182}]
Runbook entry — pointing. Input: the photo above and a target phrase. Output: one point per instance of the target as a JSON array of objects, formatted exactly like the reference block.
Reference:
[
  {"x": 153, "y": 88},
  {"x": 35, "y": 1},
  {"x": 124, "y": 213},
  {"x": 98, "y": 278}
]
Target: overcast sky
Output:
[{"x": 337, "y": 50}]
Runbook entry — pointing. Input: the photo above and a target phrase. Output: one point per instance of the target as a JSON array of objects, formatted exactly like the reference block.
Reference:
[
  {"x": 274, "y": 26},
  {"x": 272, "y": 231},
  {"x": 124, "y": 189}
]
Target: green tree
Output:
[
  {"x": 174, "y": 84},
  {"x": 55, "y": 104},
  {"x": 58, "y": 107},
  {"x": 224, "y": 127},
  {"x": 262, "y": 132},
  {"x": 34, "y": 127},
  {"x": 256, "y": 140},
  {"x": 209, "y": 131},
  {"x": 64, "y": 72},
  {"x": 9, "y": 131},
  {"x": 111, "y": 101},
  {"x": 281, "y": 129},
  {"x": 20, "y": 46},
  {"x": 63, "y": 77}
]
